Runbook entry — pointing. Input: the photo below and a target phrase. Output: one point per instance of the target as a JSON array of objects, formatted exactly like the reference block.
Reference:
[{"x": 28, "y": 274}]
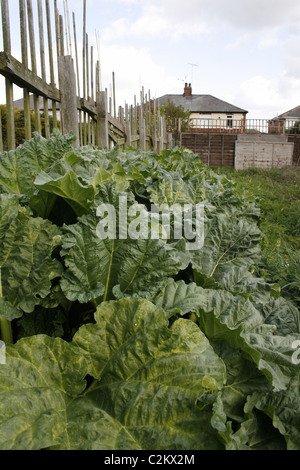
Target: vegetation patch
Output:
[{"x": 123, "y": 343}]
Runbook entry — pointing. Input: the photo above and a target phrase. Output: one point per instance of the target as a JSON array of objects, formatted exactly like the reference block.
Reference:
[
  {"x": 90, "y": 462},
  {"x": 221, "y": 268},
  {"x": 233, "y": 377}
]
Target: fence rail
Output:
[{"x": 244, "y": 126}]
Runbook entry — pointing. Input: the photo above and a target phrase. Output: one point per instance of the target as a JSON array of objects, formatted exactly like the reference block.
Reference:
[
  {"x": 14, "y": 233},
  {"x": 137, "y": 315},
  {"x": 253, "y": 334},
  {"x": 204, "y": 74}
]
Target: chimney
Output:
[{"x": 187, "y": 90}]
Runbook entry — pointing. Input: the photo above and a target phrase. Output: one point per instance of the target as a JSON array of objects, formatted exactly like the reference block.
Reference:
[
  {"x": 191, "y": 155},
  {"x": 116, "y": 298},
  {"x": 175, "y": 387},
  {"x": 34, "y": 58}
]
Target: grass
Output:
[{"x": 278, "y": 195}]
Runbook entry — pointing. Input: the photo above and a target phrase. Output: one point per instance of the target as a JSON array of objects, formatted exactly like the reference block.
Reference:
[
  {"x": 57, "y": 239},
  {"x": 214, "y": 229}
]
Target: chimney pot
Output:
[{"x": 187, "y": 90}]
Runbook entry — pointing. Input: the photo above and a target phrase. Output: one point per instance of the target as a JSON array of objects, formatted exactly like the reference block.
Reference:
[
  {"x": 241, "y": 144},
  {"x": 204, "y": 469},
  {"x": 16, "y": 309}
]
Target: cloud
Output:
[
  {"x": 134, "y": 68},
  {"x": 149, "y": 24},
  {"x": 175, "y": 20},
  {"x": 241, "y": 15},
  {"x": 265, "y": 98},
  {"x": 152, "y": 19}
]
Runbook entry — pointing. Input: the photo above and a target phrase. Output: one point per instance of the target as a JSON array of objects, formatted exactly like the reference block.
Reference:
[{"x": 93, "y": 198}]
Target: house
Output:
[
  {"x": 286, "y": 123},
  {"x": 20, "y": 105},
  {"x": 208, "y": 113}
]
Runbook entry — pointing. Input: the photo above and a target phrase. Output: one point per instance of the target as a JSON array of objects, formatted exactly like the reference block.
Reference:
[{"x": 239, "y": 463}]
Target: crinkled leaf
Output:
[
  {"x": 154, "y": 387},
  {"x": 79, "y": 195},
  {"x": 283, "y": 314},
  {"x": 148, "y": 380},
  {"x": 26, "y": 247},
  {"x": 231, "y": 246},
  {"x": 180, "y": 298},
  {"x": 8, "y": 311},
  {"x": 235, "y": 320},
  {"x": 104, "y": 269},
  {"x": 36, "y": 384},
  {"x": 219, "y": 418},
  {"x": 239, "y": 428},
  {"x": 19, "y": 168},
  {"x": 275, "y": 356},
  {"x": 243, "y": 379},
  {"x": 283, "y": 408},
  {"x": 174, "y": 189},
  {"x": 225, "y": 316},
  {"x": 252, "y": 434}
]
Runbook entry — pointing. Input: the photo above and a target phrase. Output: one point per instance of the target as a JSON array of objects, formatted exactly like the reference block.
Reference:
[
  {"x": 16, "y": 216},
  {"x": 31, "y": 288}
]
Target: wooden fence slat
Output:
[
  {"x": 85, "y": 96},
  {"x": 1, "y": 135},
  {"x": 24, "y": 48},
  {"x": 84, "y": 50},
  {"x": 102, "y": 120},
  {"x": 43, "y": 66},
  {"x": 37, "y": 117},
  {"x": 10, "y": 123},
  {"x": 67, "y": 84},
  {"x": 51, "y": 61},
  {"x": 114, "y": 94},
  {"x": 61, "y": 35}
]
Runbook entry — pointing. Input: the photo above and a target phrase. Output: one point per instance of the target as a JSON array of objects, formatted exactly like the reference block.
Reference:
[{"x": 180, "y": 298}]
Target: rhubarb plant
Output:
[{"x": 121, "y": 334}]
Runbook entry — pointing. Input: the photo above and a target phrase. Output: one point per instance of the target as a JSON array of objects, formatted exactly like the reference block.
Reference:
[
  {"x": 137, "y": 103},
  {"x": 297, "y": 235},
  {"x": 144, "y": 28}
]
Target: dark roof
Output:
[
  {"x": 292, "y": 114},
  {"x": 200, "y": 104}
]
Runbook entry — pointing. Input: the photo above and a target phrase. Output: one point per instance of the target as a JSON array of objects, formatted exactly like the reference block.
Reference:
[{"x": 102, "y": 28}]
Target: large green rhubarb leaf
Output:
[
  {"x": 180, "y": 298},
  {"x": 231, "y": 246},
  {"x": 148, "y": 380},
  {"x": 283, "y": 408},
  {"x": 26, "y": 263},
  {"x": 19, "y": 168},
  {"x": 153, "y": 387},
  {"x": 104, "y": 269},
  {"x": 39, "y": 379},
  {"x": 243, "y": 379},
  {"x": 64, "y": 182},
  {"x": 173, "y": 189},
  {"x": 237, "y": 321}
]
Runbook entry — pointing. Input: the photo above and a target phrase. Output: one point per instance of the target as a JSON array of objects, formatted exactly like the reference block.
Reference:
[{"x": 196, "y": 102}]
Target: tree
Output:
[
  {"x": 295, "y": 129},
  {"x": 173, "y": 114}
]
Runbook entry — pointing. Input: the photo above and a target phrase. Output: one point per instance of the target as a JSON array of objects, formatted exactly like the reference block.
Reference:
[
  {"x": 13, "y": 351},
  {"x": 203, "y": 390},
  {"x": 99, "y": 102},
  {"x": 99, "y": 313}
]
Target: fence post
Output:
[
  {"x": 67, "y": 84},
  {"x": 169, "y": 140},
  {"x": 102, "y": 120},
  {"x": 128, "y": 132},
  {"x": 1, "y": 139},
  {"x": 142, "y": 135},
  {"x": 161, "y": 141},
  {"x": 154, "y": 139},
  {"x": 10, "y": 120}
]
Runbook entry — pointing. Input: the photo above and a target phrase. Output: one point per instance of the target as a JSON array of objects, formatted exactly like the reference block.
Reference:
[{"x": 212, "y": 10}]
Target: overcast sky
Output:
[{"x": 246, "y": 52}]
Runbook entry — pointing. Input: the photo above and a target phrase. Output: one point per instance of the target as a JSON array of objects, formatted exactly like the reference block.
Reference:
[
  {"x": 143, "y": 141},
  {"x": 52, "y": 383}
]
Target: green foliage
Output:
[
  {"x": 132, "y": 344},
  {"x": 277, "y": 192},
  {"x": 295, "y": 128},
  {"x": 172, "y": 114},
  {"x": 19, "y": 119}
]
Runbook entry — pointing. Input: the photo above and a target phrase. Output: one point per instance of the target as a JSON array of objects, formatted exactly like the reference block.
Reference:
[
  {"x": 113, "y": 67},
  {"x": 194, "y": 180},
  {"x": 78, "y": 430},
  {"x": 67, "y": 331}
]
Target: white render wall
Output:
[{"x": 217, "y": 120}]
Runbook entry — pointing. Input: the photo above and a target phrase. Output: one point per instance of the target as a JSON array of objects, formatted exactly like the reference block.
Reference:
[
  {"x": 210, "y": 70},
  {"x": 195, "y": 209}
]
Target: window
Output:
[{"x": 230, "y": 122}]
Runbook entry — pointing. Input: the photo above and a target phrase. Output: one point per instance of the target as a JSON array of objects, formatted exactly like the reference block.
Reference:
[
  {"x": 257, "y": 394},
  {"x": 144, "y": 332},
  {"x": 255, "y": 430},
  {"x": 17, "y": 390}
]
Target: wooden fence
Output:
[
  {"x": 219, "y": 150},
  {"x": 214, "y": 150},
  {"x": 72, "y": 100}
]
